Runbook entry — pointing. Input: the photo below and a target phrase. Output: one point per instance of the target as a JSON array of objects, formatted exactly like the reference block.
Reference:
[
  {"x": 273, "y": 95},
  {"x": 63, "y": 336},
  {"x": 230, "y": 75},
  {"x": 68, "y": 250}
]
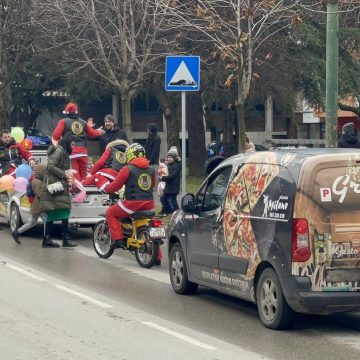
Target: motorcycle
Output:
[{"x": 144, "y": 235}]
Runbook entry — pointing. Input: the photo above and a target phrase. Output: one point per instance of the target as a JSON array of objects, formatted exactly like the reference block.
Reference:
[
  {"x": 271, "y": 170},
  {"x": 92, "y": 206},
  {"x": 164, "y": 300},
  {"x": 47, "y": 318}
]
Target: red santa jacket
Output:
[
  {"x": 77, "y": 150},
  {"x": 124, "y": 173}
]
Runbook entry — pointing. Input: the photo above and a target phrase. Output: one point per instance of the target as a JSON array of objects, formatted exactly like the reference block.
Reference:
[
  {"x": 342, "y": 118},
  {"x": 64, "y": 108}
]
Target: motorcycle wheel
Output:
[
  {"x": 147, "y": 255},
  {"x": 102, "y": 241}
]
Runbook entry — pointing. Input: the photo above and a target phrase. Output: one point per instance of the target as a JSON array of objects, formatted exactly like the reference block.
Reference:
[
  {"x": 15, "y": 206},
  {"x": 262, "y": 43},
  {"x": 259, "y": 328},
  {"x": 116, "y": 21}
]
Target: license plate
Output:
[
  {"x": 96, "y": 199},
  {"x": 157, "y": 233}
]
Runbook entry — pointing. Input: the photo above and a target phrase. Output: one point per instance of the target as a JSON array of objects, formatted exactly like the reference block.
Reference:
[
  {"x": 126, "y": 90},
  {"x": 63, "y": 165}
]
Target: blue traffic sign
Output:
[{"x": 182, "y": 73}]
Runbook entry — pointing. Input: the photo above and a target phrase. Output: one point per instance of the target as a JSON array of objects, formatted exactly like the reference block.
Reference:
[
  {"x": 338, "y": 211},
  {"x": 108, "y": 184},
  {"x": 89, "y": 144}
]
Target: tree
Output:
[
  {"x": 237, "y": 30},
  {"x": 16, "y": 34},
  {"x": 35, "y": 86},
  {"x": 117, "y": 40},
  {"x": 354, "y": 109}
]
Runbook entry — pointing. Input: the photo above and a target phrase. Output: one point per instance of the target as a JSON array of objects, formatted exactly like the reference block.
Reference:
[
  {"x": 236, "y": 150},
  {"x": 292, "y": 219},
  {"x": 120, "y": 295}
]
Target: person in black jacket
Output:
[
  {"x": 172, "y": 187},
  {"x": 112, "y": 132},
  {"x": 348, "y": 137},
  {"x": 152, "y": 146}
]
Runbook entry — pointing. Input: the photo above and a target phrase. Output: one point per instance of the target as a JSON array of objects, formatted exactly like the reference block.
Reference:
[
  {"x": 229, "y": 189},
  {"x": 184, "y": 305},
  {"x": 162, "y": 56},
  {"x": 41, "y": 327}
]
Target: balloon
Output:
[
  {"x": 18, "y": 134},
  {"x": 6, "y": 182},
  {"x": 28, "y": 144},
  {"x": 24, "y": 170},
  {"x": 20, "y": 184}
]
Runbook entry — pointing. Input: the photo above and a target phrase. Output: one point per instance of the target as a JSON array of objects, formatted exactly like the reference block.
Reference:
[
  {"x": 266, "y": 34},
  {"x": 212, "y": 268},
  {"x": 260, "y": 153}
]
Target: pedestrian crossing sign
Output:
[{"x": 182, "y": 73}]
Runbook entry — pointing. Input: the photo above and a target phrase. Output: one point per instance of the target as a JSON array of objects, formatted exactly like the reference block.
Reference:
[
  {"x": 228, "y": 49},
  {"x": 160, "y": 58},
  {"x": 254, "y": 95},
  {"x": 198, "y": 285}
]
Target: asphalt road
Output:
[{"x": 73, "y": 305}]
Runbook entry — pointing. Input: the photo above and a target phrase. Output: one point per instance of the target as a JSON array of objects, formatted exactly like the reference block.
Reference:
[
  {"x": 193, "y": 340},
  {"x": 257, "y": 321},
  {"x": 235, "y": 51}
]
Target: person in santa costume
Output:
[
  {"x": 139, "y": 180},
  {"x": 107, "y": 167},
  {"x": 79, "y": 128},
  {"x": 12, "y": 154}
]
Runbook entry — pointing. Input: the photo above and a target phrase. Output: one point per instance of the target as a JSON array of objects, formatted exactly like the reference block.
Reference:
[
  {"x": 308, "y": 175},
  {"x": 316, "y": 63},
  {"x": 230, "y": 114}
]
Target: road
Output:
[{"x": 69, "y": 304}]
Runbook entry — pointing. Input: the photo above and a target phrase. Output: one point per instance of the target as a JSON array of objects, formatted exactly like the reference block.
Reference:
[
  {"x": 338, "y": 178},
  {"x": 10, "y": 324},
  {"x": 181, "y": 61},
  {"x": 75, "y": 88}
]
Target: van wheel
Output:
[
  {"x": 273, "y": 309},
  {"x": 15, "y": 218},
  {"x": 178, "y": 272}
]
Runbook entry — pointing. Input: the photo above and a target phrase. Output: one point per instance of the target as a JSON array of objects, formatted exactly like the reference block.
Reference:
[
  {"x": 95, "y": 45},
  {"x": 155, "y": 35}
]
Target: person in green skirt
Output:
[{"x": 57, "y": 206}]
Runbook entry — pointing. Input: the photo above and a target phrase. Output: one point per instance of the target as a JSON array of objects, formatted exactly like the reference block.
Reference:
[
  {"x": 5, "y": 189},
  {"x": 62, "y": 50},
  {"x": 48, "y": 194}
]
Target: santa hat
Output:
[
  {"x": 173, "y": 152},
  {"x": 70, "y": 108}
]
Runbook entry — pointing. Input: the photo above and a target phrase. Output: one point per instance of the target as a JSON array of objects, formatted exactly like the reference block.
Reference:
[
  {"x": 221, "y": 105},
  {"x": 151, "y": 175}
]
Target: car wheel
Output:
[
  {"x": 273, "y": 309},
  {"x": 15, "y": 218},
  {"x": 178, "y": 272}
]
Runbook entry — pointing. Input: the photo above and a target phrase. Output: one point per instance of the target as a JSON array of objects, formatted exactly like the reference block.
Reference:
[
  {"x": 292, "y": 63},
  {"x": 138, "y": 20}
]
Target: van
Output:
[{"x": 278, "y": 228}]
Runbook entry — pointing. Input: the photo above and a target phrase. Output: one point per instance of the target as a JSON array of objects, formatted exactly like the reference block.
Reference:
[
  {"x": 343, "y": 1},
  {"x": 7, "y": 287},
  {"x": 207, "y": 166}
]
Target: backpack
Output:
[{"x": 30, "y": 192}]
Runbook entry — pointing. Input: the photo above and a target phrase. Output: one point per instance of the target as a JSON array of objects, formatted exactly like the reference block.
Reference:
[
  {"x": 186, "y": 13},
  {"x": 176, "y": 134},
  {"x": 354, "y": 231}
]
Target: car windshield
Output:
[{"x": 36, "y": 132}]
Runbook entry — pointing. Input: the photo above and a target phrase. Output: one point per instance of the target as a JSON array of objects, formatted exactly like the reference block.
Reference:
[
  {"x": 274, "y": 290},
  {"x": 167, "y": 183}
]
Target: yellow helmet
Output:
[{"x": 134, "y": 151}]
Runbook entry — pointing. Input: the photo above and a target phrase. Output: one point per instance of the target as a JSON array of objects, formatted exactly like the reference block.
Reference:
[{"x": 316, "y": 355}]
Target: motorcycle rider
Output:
[
  {"x": 11, "y": 154},
  {"x": 139, "y": 180},
  {"x": 79, "y": 128}
]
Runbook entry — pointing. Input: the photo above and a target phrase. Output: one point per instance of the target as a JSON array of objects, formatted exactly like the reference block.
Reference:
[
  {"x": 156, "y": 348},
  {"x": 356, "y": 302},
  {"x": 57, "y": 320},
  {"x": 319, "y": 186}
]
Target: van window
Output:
[{"x": 216, "y": 189}]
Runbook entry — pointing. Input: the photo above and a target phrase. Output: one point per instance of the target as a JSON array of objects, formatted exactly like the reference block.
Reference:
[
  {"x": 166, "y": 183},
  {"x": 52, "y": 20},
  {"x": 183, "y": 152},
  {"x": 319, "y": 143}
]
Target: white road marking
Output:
[
  {"x": 345, "y": 339},
  {"x": 130, "y": 265},
  {"x": 25, "y": 272},
  {"x": 178, "y": 335},
  {"x": 83, "y": 296}
]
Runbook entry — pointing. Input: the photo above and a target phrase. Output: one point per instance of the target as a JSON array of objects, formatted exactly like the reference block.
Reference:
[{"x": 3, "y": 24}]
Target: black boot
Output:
[
  {"x": 48, "y": 243},
  {"x": 119, "y": 244},
  {"x": 67, "y": 240},
  {"x": 15, "y": 234}
]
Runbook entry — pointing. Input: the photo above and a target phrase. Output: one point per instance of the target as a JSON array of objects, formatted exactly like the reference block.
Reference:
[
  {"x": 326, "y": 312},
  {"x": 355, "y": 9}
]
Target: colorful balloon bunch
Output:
[{"x": 9, "y": 183}]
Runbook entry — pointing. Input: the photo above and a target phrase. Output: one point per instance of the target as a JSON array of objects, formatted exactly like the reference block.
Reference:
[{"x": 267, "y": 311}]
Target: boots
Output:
[
  {"x": 67, "y": 240},
  {"x": 15, "y": 235},
  {"x": 48, "y": 243}
]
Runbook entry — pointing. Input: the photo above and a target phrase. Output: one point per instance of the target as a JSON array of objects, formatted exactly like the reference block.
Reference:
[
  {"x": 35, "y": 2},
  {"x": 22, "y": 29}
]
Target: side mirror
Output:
[{"x": 188, "y": 203}]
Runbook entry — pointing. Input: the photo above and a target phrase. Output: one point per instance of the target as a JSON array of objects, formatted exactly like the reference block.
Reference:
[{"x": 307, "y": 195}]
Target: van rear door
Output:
[{"x": 328, "y": 197}]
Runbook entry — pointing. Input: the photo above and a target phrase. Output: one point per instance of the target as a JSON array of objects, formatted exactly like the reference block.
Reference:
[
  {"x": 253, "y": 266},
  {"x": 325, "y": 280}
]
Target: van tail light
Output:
[
  {"x": 300, "y": 242},
  {"x": 156, "y": 223}
]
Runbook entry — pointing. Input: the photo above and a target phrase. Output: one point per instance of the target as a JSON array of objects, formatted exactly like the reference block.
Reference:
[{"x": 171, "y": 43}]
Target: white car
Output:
[{"x": 15, "y": 207}]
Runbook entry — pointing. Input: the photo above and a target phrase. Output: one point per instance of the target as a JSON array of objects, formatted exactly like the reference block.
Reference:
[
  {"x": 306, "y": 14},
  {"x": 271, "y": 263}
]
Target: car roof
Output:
[{"x": 298, "y": 155}]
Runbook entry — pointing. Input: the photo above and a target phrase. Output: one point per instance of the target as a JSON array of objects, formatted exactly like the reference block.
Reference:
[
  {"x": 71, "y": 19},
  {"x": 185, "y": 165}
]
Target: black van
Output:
[{"x": 278, "y": 228}]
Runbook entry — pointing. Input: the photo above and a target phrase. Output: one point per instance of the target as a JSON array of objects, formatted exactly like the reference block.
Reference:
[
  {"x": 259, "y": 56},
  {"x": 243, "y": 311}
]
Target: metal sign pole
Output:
[{"x": 183, "y": 142}]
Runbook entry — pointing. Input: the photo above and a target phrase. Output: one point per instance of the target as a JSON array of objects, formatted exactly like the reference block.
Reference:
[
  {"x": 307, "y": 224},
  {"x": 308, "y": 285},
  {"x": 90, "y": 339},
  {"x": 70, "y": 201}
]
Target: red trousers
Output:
[
  {"x": 100, "y": 178},
  {"x": 80, "y": 165},
  {"x": 121, "y": 210}
]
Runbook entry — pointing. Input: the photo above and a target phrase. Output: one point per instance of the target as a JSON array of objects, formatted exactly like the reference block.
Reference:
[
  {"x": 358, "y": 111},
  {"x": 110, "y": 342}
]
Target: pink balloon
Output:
[{"x": 20, "y": 184}]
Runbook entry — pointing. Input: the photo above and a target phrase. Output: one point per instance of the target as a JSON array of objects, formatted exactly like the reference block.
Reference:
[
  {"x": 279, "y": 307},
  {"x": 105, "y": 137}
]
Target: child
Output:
[
  {"x": 172, "y": 180},
  {"x": 35, "y": 205},
  {"x": 162, "y": 171}
]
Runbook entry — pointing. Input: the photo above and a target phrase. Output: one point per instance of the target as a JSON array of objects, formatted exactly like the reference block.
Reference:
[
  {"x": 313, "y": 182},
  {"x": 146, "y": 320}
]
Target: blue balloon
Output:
[{"x": 24, "y": 170}]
